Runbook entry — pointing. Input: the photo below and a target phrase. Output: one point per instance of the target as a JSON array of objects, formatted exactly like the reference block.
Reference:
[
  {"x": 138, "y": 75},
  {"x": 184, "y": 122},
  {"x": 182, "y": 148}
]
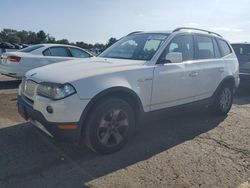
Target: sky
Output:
[{"x": 95, "y": 21}]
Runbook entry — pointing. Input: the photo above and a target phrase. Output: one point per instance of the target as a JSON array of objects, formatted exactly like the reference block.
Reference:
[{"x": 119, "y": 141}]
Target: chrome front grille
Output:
[{"x": 29, "y": 88}]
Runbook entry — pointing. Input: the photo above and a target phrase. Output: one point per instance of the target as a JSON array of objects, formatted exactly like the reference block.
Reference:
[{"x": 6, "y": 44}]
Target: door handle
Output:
[
  {"x": 193, "y": 74},
  {"x": 221, "y": 70}
]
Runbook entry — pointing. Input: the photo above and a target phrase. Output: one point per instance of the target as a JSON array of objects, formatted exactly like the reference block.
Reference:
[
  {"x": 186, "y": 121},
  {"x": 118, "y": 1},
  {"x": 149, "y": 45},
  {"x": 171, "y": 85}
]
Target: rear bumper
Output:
[
  {"x": 51, "y": 128},
  {"x": 12, "y": 71}
]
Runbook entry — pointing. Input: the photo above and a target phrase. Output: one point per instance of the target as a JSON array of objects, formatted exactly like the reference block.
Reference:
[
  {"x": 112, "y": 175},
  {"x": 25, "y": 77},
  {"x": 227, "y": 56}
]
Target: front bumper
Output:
[{"x": 27, "y": 111}]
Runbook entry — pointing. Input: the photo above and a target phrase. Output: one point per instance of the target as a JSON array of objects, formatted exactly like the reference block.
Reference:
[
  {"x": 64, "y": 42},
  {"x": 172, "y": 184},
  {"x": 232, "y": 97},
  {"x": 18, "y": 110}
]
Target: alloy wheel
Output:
[{"x": 113, "y": 128}]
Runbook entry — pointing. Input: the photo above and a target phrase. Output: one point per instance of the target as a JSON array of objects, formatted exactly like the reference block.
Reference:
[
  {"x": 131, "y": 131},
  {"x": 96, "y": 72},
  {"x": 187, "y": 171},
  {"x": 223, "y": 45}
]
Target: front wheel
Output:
[
  {"x": 223, "y": 100},
  {"x": 109, "y": 125}
]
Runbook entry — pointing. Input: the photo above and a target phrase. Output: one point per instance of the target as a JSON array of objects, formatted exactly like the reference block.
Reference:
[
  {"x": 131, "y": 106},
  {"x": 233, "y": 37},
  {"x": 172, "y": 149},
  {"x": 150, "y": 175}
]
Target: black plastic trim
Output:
[{"x": 27, "y": 111}]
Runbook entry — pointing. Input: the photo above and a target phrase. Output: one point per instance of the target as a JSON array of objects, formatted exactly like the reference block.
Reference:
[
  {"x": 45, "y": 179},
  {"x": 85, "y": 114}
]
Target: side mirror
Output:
[{"x": 174, "y": 57}]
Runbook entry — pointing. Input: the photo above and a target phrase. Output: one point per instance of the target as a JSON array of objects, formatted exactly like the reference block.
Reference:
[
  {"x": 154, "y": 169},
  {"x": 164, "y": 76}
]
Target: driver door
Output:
[{"x": 176, "y": 83}]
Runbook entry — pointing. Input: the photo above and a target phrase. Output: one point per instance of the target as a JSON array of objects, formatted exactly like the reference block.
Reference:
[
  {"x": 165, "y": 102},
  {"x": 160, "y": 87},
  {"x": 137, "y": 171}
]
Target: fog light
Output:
[{"x": 49, "y": 109}]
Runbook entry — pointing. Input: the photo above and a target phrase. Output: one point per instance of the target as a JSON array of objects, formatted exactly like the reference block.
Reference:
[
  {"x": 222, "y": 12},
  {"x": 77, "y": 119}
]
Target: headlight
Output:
[{"x": 55, "y": 91}]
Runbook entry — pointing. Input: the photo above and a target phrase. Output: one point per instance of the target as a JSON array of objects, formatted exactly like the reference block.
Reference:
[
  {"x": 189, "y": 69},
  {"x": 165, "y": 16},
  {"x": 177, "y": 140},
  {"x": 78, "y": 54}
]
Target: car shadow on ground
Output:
[
  {"x": 28, "y": 158},
  {"x": 9, "y": 84}
]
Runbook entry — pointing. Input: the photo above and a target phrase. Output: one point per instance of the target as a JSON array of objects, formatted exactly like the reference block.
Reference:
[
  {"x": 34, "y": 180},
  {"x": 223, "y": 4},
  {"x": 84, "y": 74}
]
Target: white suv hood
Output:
[{"x": 69, "y": 71}]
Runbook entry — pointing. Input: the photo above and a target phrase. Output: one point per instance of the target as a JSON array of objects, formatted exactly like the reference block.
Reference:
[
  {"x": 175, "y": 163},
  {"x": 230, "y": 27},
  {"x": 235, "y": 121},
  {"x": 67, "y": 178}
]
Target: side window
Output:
[
  {"x": 205, "y": 47},
  {"x": 225, "y": 49},
  {"x": 183, "y": 44},
  {"x": 216, "y": 49},
  {"x": 172, "y": 47},
  {"x": 46, "y": 52},
  {"x": 59, "y": 51},
  {"x": 78, "y": 53}
]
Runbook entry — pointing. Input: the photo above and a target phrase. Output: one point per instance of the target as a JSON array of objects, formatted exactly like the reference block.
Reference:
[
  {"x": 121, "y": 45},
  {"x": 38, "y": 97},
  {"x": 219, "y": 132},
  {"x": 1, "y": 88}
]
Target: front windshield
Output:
[{"x": 135, "y": 47}]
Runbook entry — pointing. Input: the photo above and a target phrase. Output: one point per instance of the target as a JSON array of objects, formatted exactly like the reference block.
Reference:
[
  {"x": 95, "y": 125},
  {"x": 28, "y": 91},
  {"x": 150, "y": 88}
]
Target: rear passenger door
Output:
[{"x": 211, "y": 65}]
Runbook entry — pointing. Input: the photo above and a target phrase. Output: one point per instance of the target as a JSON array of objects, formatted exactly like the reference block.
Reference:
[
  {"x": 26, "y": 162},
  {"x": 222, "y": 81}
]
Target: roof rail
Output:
[
  {"x": 134, "y": 32},
  {"x": 192, "y": 28}
]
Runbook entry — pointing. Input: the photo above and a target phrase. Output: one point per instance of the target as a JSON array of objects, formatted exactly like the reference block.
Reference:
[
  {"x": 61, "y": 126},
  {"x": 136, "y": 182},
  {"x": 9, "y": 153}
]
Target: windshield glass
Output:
[
  {"x": 31, "y": 48},
  {"x": 135, "y": 47}
]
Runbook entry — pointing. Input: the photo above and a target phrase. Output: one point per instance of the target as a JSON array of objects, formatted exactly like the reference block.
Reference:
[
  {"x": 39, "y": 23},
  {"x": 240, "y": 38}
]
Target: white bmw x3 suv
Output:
[{"x": 102, "y": 99}]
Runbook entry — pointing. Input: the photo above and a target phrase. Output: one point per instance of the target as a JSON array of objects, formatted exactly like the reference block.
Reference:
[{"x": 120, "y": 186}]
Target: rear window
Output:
[
  {"x": 31, "y": 48},
  {"x": 241, "y": 49},
  {"x": 224, "y": 47}
]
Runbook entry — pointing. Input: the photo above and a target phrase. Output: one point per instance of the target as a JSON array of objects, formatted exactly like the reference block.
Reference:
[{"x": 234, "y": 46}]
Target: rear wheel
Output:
[
  {"x": 110, "y": 124},
  {"x": 223, "y": 100}
]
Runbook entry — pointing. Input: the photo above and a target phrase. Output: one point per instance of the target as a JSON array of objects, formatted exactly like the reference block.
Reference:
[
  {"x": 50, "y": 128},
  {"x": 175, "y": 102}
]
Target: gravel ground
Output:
[{"x": 184, "y": 148}]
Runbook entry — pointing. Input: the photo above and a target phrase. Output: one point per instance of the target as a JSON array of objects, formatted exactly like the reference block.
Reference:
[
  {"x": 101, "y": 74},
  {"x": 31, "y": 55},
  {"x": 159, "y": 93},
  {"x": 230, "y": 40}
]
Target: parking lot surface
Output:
[{"x": 184, "y": 148}]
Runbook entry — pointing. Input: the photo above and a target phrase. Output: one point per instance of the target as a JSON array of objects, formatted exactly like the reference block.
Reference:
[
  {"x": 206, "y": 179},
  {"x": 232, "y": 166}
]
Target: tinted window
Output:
[
  {"x": 59, "y": 51},
  {"x": 78, "y": 53},
  {"x": 205, "y": 48},
  {"x": 137, "y": 47},
  {"x": 225, "y": 49},
  {"x": 31, "y": 48},
  {"x": 47, "y": 52},
  {"x": 216, "y": 49},
  {"x": 183, "y": 44}
]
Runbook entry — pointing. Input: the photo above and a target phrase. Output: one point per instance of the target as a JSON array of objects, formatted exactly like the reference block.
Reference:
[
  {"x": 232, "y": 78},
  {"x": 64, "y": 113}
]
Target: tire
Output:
[
  {"x": 109, "y": 126},
  {"x": 223, "y": 100}
]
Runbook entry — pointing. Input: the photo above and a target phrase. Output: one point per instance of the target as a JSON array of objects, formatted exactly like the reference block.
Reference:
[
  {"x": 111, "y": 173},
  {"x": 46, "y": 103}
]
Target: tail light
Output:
[{"x": 14, "y": 58}]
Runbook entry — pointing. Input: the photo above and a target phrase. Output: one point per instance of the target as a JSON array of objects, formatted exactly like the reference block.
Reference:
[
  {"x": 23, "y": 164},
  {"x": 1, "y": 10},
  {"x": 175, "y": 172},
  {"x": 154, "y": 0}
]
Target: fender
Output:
[{"x": 106, "y": 93}]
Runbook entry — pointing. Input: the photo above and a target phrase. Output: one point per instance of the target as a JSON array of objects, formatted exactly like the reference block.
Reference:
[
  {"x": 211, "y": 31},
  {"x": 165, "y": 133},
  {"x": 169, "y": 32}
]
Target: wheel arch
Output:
[
  {"x": 119, "y": 92},
  {"x": 227, "y": 80}
]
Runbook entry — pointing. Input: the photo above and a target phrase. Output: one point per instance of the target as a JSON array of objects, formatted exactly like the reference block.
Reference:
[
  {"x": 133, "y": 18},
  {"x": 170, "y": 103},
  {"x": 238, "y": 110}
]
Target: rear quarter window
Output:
[
  {"x": 46, "y": 52},
  {"x": 224, "y": 47}
]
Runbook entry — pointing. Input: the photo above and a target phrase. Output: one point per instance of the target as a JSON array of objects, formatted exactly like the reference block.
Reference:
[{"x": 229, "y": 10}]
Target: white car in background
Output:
[{"x": 16, "y": 64}]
